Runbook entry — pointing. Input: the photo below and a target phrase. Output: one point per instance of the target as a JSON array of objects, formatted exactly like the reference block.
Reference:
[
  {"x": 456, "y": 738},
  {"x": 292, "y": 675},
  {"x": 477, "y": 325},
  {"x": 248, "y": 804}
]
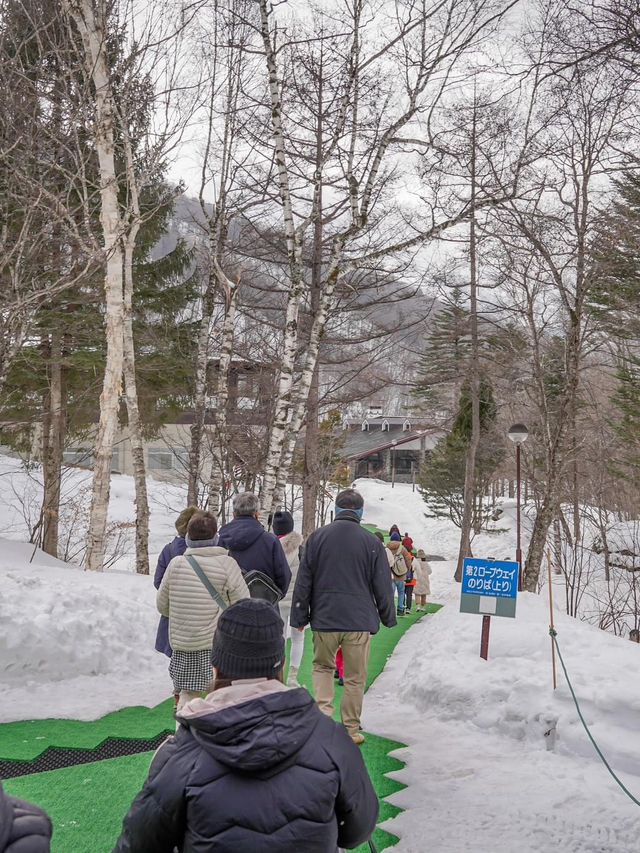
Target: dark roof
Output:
[{"x": 361, "y": 443}]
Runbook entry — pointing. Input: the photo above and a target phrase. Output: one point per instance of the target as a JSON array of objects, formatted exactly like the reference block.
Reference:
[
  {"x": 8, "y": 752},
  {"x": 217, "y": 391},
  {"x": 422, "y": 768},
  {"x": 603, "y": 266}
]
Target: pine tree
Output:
[{"x": 441, "y": 479}]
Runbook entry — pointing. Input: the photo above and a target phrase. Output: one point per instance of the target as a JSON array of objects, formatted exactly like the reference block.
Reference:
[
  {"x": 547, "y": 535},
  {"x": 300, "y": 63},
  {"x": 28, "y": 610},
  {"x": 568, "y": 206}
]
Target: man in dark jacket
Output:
[
  {"x": 255, "y": 765},
  {"x": 175, "y": 548},
  {"x": 24, "y": 828},
  {"x": 344, "y": 590},
  {"x": 251, "y": 546}
]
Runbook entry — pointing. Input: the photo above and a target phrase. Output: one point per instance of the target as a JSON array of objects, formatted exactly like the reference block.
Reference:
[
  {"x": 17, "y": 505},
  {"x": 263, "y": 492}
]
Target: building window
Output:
[
  {"x": 385, "y": 426},
  {"x": 365, "y": 426},
  {"x": 406, "y": 426},
  {"x": 167, "y": 458},
  {"x": 82, "y": 457}
]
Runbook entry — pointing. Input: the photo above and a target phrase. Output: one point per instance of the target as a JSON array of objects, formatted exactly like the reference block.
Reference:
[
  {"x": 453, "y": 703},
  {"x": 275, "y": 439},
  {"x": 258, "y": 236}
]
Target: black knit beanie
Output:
[
  {"x": 249, "y": 641},
  {"x": 282, "y": 523}
]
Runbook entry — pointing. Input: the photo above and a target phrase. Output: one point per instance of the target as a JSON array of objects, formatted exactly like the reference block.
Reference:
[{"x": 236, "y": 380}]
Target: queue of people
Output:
[{"x": 257, "y": 763}]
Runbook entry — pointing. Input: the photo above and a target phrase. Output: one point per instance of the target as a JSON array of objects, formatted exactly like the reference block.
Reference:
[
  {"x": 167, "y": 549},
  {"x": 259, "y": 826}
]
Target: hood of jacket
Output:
[
  {"x": 394, "y": 547},
  {"x": 240, "y": 534},
  {"x": 291, "y": 543},
  {"x": 253, "y": 726}
]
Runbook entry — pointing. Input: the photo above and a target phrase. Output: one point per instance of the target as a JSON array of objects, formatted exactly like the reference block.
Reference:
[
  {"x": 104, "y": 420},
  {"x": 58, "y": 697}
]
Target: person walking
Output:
[
  {"x": 255, "y": 765},
  {"x": 251, "y": 546},
  {"x": 291, "y": 542},
  {"x": 24, "y": 828},
  {"x": 423, "y": 585},
  {"x": 195, "y": 589},
  {"x": 175, "y": 548},
  {"x": 399, "y": 563},
  {"x": 409, "y": 584},
  {"x": 343, "y": 591}
]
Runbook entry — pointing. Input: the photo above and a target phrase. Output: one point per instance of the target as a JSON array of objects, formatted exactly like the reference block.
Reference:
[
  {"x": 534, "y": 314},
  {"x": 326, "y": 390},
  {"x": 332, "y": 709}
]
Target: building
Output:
[
  {"x": 249, "y": 404},
  {"x": 388, "y": 447}
]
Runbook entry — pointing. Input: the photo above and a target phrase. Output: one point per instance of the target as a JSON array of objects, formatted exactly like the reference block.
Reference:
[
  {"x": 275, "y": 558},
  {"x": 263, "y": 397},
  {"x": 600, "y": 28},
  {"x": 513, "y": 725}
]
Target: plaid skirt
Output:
[{"x": 191, "y": 670}]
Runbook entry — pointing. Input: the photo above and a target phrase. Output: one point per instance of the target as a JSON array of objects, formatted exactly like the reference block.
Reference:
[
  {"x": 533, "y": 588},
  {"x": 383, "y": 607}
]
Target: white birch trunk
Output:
[
  {"x": 284, "y": 402},
  {"x": 91, "y": 22},
  {"x": 133, "y": 413},
  {"x": 220, "y": 441}
]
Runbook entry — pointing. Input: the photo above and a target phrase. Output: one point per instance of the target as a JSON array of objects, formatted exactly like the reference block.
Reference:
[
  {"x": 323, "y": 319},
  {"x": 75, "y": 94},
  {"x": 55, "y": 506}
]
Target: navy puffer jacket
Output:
[
  {"x": 272, "y": 774},
  {"x": 254, "y": 549},
  {"x": 24, "y": 828}
]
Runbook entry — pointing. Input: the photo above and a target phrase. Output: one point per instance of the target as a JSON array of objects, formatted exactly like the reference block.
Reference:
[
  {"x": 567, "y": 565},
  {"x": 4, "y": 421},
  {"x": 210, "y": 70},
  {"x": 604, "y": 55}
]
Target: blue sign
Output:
[{"x": 494, "y": 578}]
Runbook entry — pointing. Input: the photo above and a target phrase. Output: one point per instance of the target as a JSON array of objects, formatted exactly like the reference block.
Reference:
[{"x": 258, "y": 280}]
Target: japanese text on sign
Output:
[{"x": 490, "y": 577}]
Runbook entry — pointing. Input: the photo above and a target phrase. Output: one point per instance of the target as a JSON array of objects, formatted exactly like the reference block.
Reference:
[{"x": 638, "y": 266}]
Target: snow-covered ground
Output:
[
  {"x": 483, "y": 773},
  {"x": 496, "y": 763}
]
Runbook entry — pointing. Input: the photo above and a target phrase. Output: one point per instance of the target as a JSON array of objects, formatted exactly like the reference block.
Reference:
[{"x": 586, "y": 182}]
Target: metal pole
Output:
[
  {"x": 518, "y": 542},
  {"x": 393, "y": 467},
  {"x": 484, "y": 639},
  {"x": 413, "y": 476},
  {"x": 553, "y": 645}
]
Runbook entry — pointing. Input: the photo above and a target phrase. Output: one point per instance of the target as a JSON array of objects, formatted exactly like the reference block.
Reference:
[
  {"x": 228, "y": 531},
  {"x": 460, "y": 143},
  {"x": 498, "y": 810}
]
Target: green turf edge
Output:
[{"x": 113, "y": 774}]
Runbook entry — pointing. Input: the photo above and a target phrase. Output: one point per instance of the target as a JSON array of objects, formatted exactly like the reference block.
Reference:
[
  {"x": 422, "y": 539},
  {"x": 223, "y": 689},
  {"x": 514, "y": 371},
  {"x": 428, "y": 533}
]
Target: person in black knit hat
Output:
[{"x": 256, "y": 765}]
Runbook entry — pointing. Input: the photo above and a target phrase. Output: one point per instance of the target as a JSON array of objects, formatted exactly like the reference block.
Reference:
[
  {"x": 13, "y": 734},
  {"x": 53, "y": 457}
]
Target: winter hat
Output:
[
  {"x": 249, "y": 641},
  {"x": 182, "y": 521},
  {"x": 282, "y": 523},
  {"x": 395, "y": 537},
  {"x": 421, "y": 555}
]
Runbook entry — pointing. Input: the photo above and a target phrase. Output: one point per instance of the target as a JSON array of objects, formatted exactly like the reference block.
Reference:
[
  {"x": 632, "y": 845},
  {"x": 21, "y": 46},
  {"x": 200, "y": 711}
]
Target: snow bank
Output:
[
  {"x": 497, "y": 761},
  {"x": 74, "y": 643}
]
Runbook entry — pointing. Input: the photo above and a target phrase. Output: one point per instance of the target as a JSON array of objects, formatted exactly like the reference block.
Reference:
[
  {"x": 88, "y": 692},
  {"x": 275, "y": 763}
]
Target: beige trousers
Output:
[{"x": 355, "y": 651}]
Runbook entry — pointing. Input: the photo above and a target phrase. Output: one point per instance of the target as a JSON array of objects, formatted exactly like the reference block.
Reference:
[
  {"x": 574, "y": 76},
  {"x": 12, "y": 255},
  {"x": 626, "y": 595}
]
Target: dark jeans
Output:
[{"x": 408, "y": 597}]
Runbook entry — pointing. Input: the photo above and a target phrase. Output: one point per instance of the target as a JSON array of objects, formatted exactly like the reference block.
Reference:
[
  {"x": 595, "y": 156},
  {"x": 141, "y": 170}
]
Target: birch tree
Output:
[{"x": 364, "y": 144}]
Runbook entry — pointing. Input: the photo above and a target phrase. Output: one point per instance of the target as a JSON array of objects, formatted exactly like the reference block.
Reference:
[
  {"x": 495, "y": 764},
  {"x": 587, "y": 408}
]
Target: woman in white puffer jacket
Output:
[
  {"x": 291, "y": 542},
  {"x": 193, "y": 612},
  {"x": 421, "y": 570}
]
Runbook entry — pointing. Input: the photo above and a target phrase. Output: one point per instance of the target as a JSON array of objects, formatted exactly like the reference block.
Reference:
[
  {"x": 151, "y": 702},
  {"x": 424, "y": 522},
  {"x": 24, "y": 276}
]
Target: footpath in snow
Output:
[{"x": 479, "y": 771}]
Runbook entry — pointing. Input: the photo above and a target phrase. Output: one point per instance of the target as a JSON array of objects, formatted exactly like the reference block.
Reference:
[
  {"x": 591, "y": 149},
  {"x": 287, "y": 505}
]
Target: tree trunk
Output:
[
  {"x": 311, "y": 477},
  {"x": 284, "y": 402},
  {"x": 54, "y": 425},
  {"x": 133, "y": 414},
  {"x": 219, "y": 445},
  {"x": 474, "y": 379},
  {"x": 91, "y": 22},
  {"x": 200, "y": 390}
]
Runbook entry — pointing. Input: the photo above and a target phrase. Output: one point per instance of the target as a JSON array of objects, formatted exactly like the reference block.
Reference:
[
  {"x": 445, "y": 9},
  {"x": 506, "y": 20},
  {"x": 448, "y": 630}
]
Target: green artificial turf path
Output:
[{"x": 88, "y": 801}]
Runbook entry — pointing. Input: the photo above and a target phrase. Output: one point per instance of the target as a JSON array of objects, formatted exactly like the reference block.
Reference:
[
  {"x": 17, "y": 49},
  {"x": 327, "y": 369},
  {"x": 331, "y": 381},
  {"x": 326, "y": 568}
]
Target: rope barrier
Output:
[{"x": 554, "y": 636}]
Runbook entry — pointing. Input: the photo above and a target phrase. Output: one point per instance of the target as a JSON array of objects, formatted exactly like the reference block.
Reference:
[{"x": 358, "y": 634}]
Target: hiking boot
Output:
[
  {"x": 357, "y": 738},
  {"x": 292, "y": 677},
  {"x": 341, "y": 682},
  {"x": 400, "y": 612},
  {"x": 336, "y": 674}
]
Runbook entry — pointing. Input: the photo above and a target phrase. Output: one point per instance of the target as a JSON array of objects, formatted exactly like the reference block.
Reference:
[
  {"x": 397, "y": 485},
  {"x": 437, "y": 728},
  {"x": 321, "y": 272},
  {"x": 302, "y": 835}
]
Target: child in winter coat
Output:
[
  {"x": 282, "y": 526},
  {"x": 422, "y": 570},
  {"x": 409, "y": 585}
]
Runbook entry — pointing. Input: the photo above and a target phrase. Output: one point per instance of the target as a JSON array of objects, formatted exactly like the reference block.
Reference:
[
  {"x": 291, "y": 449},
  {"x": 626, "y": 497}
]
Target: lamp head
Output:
[{"x": 518, "y": 433}]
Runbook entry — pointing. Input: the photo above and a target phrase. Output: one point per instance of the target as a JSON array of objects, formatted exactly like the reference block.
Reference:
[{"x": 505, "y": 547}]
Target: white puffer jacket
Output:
[
  {"x": 291, "y": 546},
  {"x": 422, "y": 570},
  {"x": 193, "y": 614}
]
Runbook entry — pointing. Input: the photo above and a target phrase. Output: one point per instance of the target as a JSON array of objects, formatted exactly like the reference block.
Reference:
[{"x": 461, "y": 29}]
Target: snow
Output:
[
  {"x": 75, "y": 644},
  {"x": 496, "y": 761}
]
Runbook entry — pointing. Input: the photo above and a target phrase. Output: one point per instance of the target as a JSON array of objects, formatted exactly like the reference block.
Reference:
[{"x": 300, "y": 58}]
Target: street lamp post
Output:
[
  {"x": 393, "y": 464},
  {"x": 518, "y": 433}
]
